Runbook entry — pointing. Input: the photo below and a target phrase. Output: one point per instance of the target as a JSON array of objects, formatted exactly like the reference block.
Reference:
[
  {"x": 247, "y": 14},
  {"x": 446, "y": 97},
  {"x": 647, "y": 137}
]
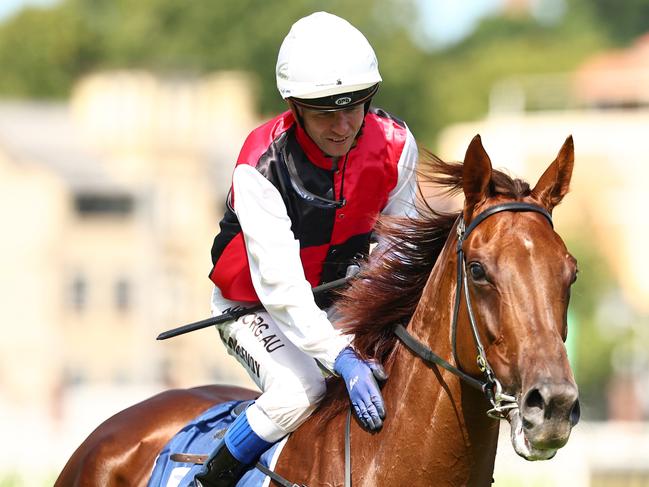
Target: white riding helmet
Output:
[{"x": 327, "y": 64}]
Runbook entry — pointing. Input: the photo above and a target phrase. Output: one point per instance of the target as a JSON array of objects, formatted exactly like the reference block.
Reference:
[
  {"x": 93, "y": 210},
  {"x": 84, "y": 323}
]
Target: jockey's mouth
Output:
[{"x": 339, "y": 140}]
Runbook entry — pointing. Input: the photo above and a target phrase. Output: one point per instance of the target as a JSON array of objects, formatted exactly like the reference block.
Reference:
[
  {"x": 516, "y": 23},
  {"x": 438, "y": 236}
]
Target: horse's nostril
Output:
[
  {"x": 534, "y": 400},
  {"x": 550, "y": 402},
  {"x": 533, "y": 409},
  {"x": 575, "y": 413}
]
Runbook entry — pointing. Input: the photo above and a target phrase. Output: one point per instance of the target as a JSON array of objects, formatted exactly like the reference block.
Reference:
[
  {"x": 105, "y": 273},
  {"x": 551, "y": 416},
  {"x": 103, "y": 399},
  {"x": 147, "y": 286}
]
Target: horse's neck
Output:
[
  {"x": 436, "y": 431},
  {"x": 436, "y": 423}
]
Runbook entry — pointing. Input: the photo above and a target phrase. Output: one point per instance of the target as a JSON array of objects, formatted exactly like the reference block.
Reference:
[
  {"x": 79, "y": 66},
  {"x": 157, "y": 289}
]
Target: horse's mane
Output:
[{"x": 391, "y": 282}]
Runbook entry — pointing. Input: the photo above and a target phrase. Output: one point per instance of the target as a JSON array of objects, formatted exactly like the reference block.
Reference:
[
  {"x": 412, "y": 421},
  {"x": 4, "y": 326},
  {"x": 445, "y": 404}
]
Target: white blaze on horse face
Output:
[{"x": 529, "y": 245}]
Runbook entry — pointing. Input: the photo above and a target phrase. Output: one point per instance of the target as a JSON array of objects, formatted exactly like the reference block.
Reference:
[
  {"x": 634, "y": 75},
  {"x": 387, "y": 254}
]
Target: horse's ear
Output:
[
  {"x": 476, "y": 175},
  {"x": 554, "y": 183}
]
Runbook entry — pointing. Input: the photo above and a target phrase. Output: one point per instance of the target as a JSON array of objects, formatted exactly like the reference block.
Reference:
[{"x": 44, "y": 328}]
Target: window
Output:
[
  {"x": 123, "y": 296},
  {"x": 79, "y": 293},
  {"x": 94, "y": 204},
  {"x": 73, "y": 375}
]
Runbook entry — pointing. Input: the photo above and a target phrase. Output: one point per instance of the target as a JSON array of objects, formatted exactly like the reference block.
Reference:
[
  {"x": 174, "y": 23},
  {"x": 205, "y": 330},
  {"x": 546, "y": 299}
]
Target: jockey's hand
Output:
[{"x": 360, "y": 378}]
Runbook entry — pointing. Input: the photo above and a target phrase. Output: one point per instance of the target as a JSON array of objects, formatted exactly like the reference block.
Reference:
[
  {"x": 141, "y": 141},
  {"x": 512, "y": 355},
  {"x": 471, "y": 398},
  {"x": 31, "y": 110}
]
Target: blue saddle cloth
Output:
[{"x": 201, "y": 437}]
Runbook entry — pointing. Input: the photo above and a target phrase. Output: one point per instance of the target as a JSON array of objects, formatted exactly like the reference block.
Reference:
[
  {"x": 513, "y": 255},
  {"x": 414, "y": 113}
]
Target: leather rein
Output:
[{"x": 492, "y": 388}]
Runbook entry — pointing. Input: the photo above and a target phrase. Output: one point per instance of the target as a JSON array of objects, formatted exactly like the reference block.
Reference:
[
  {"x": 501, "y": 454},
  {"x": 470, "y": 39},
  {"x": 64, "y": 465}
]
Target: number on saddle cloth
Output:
[{"x": 200, "y": 437}]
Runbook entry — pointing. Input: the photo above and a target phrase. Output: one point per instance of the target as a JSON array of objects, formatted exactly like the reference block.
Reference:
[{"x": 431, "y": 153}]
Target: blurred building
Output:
[
  {"x": 109, "y": 205},
  {"x": 615, "y": 79},
  {"x": 605, "y": 106}
]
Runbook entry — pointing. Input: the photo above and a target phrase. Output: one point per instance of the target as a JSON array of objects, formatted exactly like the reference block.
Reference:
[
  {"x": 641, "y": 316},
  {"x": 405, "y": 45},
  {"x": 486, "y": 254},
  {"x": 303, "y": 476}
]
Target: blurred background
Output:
[{"x": 120, "y": 121}]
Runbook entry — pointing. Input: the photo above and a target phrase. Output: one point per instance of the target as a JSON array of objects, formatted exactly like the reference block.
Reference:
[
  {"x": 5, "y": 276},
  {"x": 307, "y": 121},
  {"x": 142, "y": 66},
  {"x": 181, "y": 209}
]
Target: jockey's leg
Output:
[{"x": 292, "y": 385}]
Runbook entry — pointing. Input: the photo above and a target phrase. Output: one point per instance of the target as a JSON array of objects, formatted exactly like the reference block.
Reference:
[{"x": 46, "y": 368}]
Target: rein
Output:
[{"x": 490, "y": 385}]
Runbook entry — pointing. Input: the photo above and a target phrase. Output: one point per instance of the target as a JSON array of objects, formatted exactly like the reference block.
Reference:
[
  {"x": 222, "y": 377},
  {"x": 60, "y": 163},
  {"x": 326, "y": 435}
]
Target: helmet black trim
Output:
[{"x": 339, "y": 101}]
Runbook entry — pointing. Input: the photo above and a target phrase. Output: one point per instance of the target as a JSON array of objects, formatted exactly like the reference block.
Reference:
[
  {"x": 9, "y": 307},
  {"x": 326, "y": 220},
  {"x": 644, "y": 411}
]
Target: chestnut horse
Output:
[{"x": 492, "y": 281}]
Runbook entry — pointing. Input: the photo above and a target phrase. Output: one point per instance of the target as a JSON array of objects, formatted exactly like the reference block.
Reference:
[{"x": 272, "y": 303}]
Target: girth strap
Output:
[
  {"x": 276, "y": 477},
  {"x": 201, "y": 459}
]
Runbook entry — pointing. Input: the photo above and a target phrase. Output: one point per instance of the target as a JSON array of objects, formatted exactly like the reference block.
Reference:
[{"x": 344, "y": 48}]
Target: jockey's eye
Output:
[{"x": 477, "y": 272}]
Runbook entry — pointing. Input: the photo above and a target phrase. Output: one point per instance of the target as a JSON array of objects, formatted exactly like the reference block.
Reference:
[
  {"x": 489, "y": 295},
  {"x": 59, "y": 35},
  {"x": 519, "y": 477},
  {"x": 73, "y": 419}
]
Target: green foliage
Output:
[
  {"x": 43, "y": 51},
  {"x": 463, "y": 76},
  {"x": 186, "y": 38},
  {"x": 622, "y": 21}
]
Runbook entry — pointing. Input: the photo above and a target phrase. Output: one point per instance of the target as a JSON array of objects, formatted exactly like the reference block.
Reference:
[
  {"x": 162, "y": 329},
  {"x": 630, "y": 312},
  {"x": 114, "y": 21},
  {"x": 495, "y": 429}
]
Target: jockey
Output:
[{"x": 307, "y": 189}]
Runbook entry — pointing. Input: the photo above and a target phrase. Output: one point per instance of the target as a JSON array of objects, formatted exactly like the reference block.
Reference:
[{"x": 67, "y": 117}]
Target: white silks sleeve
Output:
[
  {"x": 402, "y": 198},
  {"x": 276, "y": 269}
]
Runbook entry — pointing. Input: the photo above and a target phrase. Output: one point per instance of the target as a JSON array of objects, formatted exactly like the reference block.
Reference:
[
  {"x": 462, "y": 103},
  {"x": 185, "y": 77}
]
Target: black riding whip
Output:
[{"x": 238, "y": 312}]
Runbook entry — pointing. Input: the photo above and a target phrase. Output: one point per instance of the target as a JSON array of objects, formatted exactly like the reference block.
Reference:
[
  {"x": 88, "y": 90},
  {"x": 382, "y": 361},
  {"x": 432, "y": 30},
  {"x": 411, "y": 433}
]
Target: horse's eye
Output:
[{"x": 477, "y": 271}]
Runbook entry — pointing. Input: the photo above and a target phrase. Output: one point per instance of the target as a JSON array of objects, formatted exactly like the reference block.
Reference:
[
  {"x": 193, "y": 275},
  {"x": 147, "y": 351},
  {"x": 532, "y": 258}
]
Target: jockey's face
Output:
[{"x": 334, "y": 132}]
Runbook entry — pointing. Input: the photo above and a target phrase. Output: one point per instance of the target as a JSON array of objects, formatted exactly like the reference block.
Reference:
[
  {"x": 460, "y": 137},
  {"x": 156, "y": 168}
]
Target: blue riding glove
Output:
[{"x": 360, "y": 378}]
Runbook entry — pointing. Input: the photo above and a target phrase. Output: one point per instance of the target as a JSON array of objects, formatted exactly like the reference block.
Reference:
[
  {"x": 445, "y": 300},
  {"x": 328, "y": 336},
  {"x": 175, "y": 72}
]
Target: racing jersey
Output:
[{"x": 278, "y": 239}]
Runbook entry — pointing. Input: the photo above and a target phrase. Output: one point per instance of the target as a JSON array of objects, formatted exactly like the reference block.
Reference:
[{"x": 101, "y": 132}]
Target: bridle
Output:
[{"x": 492, "y": 388}]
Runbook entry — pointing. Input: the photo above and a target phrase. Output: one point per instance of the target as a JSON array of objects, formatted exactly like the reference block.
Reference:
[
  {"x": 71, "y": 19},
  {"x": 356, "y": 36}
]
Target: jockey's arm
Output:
[
  {"x": 402, "y": 200},
  {"x": 276, "y": 269}
]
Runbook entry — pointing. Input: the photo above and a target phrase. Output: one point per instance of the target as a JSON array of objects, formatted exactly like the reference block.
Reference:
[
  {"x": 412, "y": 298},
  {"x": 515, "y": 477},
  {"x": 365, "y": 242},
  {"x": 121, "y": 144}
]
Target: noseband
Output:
[{"x": 490, "y": 385}]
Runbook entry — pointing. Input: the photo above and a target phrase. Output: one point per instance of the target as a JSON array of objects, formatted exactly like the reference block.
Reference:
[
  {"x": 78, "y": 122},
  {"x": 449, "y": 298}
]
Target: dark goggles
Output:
[{"x": 339, "y": 101}]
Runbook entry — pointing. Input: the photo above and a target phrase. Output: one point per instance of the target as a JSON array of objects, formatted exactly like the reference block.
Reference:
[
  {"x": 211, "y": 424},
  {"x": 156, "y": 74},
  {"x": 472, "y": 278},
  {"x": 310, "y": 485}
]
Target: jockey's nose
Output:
[{"x": 340, "y": 122}]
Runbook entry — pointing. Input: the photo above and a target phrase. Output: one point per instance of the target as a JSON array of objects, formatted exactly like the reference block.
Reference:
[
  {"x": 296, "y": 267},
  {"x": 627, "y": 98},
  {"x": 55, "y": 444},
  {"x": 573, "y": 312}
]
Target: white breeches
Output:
[{"x": 291, "y": 382}]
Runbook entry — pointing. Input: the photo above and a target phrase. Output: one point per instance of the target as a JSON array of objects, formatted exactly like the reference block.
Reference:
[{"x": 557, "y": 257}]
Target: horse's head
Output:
[{"x": 519, "y": 276}]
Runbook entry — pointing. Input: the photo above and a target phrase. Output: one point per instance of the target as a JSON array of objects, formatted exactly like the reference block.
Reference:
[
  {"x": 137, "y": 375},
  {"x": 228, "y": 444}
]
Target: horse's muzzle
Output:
[{"x": 549, "y": 411}]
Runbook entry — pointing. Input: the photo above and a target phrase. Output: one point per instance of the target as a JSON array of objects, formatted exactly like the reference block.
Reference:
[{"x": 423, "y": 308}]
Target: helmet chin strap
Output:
[
  {"x": 296, "y": 112},
  {"x": 366, "y": 106}
]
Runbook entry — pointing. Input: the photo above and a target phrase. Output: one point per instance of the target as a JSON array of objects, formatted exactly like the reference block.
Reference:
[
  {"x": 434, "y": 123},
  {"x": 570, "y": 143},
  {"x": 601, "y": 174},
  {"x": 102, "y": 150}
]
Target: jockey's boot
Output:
[
  {"x": 222, "y": 469},
  {"x": 240, "y": 448}
]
